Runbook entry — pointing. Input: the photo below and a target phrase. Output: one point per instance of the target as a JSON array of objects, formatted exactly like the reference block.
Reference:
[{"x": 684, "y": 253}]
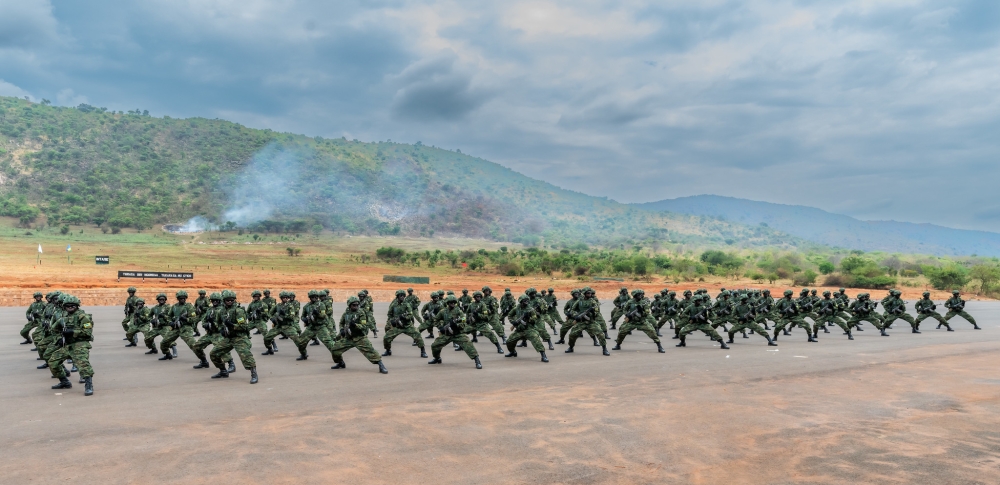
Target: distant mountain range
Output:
[{"x": 836, "y": 230}]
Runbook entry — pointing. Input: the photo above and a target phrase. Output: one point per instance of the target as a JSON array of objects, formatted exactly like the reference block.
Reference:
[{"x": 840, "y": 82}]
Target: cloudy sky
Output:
[{"x": 883, "y": 109}]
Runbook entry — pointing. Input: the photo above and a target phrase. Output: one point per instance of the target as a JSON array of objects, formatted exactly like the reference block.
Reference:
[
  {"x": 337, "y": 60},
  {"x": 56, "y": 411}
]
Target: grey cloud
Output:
[
  {"x": 26, "y": 23},
  {"x": 435, "y": 89}
]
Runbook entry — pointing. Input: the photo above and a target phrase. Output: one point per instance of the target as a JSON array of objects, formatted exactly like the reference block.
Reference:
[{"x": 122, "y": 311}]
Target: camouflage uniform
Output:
[
  {"x": 399, "y": 321},
  {"x": 354, "y": 327},
  {"x": 317, "y": 325},
  {"x": 34, "y": 317},
  {"x": 827, "y": 310},
  {"x": 451, "y": 323},
  {"x": 619, "y": 303},
  {"x": 895, "y": 308},
  {"x": 493, "y": 305},
  {"x": 258, "y": 313},
  {"x": 790, "y": 315},
  {"x": 235, "y": 328},
  {"x": 745, "y": 318},
  {"x": 584, "y": 315},
  {"x": 286, "y": 322},
  {"x": 637, "y": 317},
  {"x": 863, "y": 309},
  {"x": 697, "y": 320},
  {"x": 139, "y": 322},
  {"x": 182, "y": 319},
  {"x": 956, "y": 308},
  {"x": 478, "y": 320},
  {"x": 525, "y": 322},
  {"x": 76, "y": 331},
  {"x": 927, "y": 309},
  {"x": 430, "y": 309},
  {"x": 129, "y": 307},
  {"x": 210, "y": 321},
  {"x": 414, "y": 301}
]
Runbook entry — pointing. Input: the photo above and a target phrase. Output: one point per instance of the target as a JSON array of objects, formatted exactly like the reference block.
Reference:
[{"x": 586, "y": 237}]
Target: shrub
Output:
[
  {"x": 511, "y": 268},
  {"x": 826, "y": 267},
  {"x": 948, "y": 277}
]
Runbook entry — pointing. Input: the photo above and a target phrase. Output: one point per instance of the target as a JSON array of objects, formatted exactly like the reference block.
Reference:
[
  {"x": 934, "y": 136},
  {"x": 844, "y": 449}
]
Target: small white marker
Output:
[
  {"x": 800, "y": 357},
  {"x": 727, "y": 356},
  {"x": 59, "y": 394},
  {"x": 772, "y": 350}
]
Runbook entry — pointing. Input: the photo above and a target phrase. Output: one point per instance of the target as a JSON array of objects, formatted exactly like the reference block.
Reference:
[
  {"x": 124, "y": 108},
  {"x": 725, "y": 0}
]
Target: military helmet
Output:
[
  {"x": 353, "y": 299},
  {"x": 409, "y": 290},
  {"x": 228, "y": 295},
  {"x": 131, "y": 289},
  {"x": 506, "y": 290},
  {"x": 477, "y": 293},
  {"x": 826, "y": 293},
  {"x": 365, "y": 292},
  {"x": 487, "y": 289},
  {"x": 325, "y": 292},
  {"x": 789, "y": 292},
  {"x": 181, "y": 294},
  {"x": 927, "y": 293},
  {"x": 37, "y": 293},
  {"x": 588, "y": 289},
  {"x": 575, "y": 291},
  {"x": 657, "y": 296},
  {"x": 664, "y": 291},
  {"x": 465, "y": 291},
  {"x": 672, "y": 293},
  {"x": 841, "y": 290},
  {"x": 291, "y": 294},
  {"x": 744, "y": 296},
  {"x": 813, "y": 291},
  {"x": 313, "y": 293},
  {"x": 161, "y": 296},
  {"x": 766, "y": 292},
  {"x": 552, "y": 290},
  {"x": 623, "y": 290},
  {"x": 955, "y": 292},
  {"x": 255, "y": 293},
  {"x": 804, "y": 291},
  {"x": 522, "y": 299},
  {"x": 140, "y": 300},
  {"x": 451, "y": 299},
  {"x": 216, "y": 296},
  {"x": 530, "y": 291},
  {"x": 687, "y": 292},
  {"x": 400, "y": 293},
  {"x": 68, "y": 299},
  {"x": 267, "y": 291},
  {"x": 201, "y": 292},
  {"x": 451, "y": 292},
  {"x": 638, "y": 292}
]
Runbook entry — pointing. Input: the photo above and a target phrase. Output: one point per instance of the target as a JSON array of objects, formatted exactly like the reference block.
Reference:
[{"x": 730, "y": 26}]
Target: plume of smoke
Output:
[
  {"x": 266, "y": 186},
  {"x": 194, "y": 224}
]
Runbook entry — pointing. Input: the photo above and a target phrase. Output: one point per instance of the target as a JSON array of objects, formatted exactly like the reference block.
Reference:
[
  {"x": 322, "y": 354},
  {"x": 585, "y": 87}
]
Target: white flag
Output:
[{"x": 39, "y": 249}]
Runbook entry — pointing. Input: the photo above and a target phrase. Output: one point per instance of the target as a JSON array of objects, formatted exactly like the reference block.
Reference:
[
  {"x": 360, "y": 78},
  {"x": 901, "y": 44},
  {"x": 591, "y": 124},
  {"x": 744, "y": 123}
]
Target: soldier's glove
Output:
[{"x": 67, "y": 332}]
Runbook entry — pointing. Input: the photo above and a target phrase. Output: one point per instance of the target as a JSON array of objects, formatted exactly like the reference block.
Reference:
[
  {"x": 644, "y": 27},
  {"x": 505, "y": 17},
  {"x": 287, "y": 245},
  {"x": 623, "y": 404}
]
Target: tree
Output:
[
  {"x": 987, "y": 275},
  {"x": 948, "y": 277},
  {"x": 826, "y": 267}
]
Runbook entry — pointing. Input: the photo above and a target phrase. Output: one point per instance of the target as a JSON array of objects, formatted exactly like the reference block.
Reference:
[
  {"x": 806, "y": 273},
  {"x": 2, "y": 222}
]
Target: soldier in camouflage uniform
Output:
[
  {"x": 638, "y": 316},
  {"x": 399, "y": 321},
  {"x": 864, "y": 309},
  {"x": 493, "y": 305},
  {"x": 697, "y": 320},
  {"x": 956, "y": 308},
  {"x": 583, "y": 315},
  {"x": 827, "y": 310},
  {"x": 541, "y": 308},
  {"x": 721, "y": 311},
  {"x": 200, "y": 307},
  {"x": 428, "y": 312},
  {"x": 210, "y": 321},
  {"x": 354, "y": 326},
  {"x": 567, "y": 309},
  {"x": 34, "y": 317},
  {"x": 139, "y": 323},
  {"x": 328, "y": 304},
  {"x": 464, "y": 301},
  {"x": 182, "y": 320},
  {"x": 317, "y": 325},
  {"x": 745, "y": 318},
  {"x": 258, "y": 313},
  {"x": 619, "y": 303},
  {"x": 451, "y": 323},
  {"x": 269, "y": 305},
  {"x": 507, "y": 303},
  {"x": 669, "y": 309},
  {"x": 895, "y": 308},
  {"x": 478, "y": 320},
  {"x": 285, "y": 320},
  {"x": 44, "y": 336},
  {"x": 129, "y": 308},
  {"x": 368, "y": 306},
  {"x": 927, "y": 309},
  {"x": 160, "y": 316},
  {"x": 790, "y": 314},
  {"x": 235, "y": 329},
  {"x": 524, "y": 323},
  {"x": 553, "y": 314},
  {"x": 75, "y": 329},
  {"x": 413, "y": 300},
  {"x": 682, "y": 313}
]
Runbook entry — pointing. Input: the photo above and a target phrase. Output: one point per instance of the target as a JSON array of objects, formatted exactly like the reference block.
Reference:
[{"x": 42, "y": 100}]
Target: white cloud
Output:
[{"x": 8, "y": 89}]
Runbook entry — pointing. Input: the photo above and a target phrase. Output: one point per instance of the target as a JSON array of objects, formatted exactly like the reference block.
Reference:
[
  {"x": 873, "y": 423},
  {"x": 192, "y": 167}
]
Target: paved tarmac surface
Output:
[{"x": 903, "y": 409}]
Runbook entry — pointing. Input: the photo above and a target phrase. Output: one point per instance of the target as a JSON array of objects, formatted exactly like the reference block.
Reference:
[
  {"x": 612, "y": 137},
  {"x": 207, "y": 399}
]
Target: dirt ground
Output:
[{"x": 902, "y": 409}]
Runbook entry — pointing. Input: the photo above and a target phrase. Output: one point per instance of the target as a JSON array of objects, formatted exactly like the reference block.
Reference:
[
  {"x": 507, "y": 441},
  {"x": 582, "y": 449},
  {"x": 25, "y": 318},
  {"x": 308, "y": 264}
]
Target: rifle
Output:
[
  {"x": 520, "y": 324},
  {"x": 585, "y": 316},
  {"x": 634, "y": 315},
  {"x": 700, "y": 316},
  {"x": 396, "y": 322}
]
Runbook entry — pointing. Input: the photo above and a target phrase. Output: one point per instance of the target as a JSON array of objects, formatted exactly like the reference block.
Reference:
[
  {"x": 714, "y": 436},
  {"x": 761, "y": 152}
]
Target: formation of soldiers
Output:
[{"x": 62, "y": 333}]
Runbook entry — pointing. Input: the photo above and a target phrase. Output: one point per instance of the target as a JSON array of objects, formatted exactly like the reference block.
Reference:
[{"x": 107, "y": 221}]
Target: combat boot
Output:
[
  {"x": 499, "y": 349},
  {"x": 659, "y": 348},
  {"x": 232, "y": 367},
  {"x": 26, "y": 341},
  {"x": 74, "y": 369},
  {"x": 731, "y": 339},
  {"x": 202, "y": 365},
  {"x": 513, "y": 353},
  {"x": 618, "y": 346},
  {"x": 82, "y": 380},
  {"x": 550, "y": 345},
  {"x": 723, "y": 345},
  {"x": 34, "y": 349},
  {"x": 594, "y": 338},
  {"x": 423, "y": 353},
  {"x": 915, "y": 330},
  {"x": 770, "y": 342},
  {"x": 381, "y": 368},
  {"x": 221, "y": 375},
  {"x": 849, "y": 336},
  {"x": 744, "y": 334},
  {"x": 173, "y": 350},
  {"x": 340, "y": 364},
  {"x": 474, "y": 339},
  {"x": 949, "y": 328},
  {"x": 544, "y": 357},
  {"x": 613, "y": 326},
  {"x": 524, "y": 343},
  {"x": 269, "y": 351},
  {"x": 569, "y": 350},
  {"x": 274, "y": 347},
  {"x": 430, "y": 334},
  {"x": 88, "y": 386},
  {"x": 387, "y": 353},
  {"x": 883, "y": 333},
  {"x": 479, "y": 365},
  {"x": 561, "y": 341},
  {"x": 604, "y": 350},
  {"x": 315, "y": 342},
  {"x": 435, "y": 360},
  {"x": 152, "y": 352},
  {"x": 825, "y": 329},
  {"x": 504, "y": 338},
  {"x": 414, "y": 344},
  {"x": 63, "y": 384},
  {"x": 196, "y": 332},
  {"x": 253, "y": 375},
  {"x": 45, "y": 365},
  {"x": 976, "y": 327},
  {"x": 166, "y": 356},
  {"x": 658, "y": 334},
  {"x": 606, "y": 337},
  {"x": 458, "y": 348},
  {"x": 302, "y": 356},
  {"x": 682, "y": 343},
  {"x": 812, "y": 339}
]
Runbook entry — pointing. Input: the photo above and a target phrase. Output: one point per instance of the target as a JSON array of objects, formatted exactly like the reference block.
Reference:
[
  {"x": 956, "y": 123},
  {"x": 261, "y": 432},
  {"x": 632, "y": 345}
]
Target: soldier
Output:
[
  {"x": 721, "y": 311},
  {"x": 745, "y": 317},
  {"x": 553, "y": 312},
  {"x": 451, "y": 323},
  {"x": 864, "y": 309},
  {"x": 317, "y": 325},
  {"x": 45, "y": 336},
  {"x": 181, "y": 321},
  {"x": 210, "y": 321},
  {"x": 584, "y": 315},
  {"x": 139, "y": 323},
  {"x": 367, "y": 305},
  {"x": 258, "y": 313},
  {"x": 619, "y": 303},
  {"x": 294, "y": 308},
  {"x": 269, "y": 305},
  {"x": 507, "y": 303},
  {"x": 805, "y": 305},
  {"x": 160, "y": 316},
  {"x": 478, "y": 320},
  {"x": 399, "y": 321},
  {"x": 285, "y": 322},
  {"x": 669, "y": 308},
  {"x": 328, "y": 304},
  {"x": 129, "y": 308},
  {"x": 76, "y": 332},
  {"x": 465, "y": 300},
  {"x": 682, "y": 312},
  {"x": 430, "y": 309},
  {"x": 34, "y": 317},
  {"x": 697, "y": 320},
  {"x": 524, "y": 324},
  {"x": 567, "y": 309},
  {"x": 354, "y": 334},
  {"x": 235, "y": 329},
  {"x": 956, "y": 307},
  {"x": 637, "y": 317},
  {"x": 827, "y": 310},
  {"x": 790, "y": 315},
  {"x": 895, "y": 308},
  {"x": 493, "y": 305},
  {"x": 200, "y": 307},
  {"x": 927, "y": 309},
  {"x": 413, "y": 300}
]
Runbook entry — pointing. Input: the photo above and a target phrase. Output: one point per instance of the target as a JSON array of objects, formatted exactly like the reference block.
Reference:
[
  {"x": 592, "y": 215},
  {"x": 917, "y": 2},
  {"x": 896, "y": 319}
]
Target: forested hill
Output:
[
  {"x": 837, "y": 230},
  {"x": 86, "y": 165}
]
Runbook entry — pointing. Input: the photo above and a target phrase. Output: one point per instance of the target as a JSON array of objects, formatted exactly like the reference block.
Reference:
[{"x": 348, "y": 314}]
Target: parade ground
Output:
[{"x": 920, "y": 409}]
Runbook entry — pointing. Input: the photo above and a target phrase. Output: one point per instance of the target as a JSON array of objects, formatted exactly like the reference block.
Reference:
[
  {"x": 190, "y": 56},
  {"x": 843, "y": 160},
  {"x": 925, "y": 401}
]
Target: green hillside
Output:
[{"x": 86, "y": 165}]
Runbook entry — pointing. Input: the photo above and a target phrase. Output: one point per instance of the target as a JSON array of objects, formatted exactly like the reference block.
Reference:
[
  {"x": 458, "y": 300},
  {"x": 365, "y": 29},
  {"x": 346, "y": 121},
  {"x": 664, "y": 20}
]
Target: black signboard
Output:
[
  {"x": 155, "y": 274},
  {"x": 102, "y": 259}
]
